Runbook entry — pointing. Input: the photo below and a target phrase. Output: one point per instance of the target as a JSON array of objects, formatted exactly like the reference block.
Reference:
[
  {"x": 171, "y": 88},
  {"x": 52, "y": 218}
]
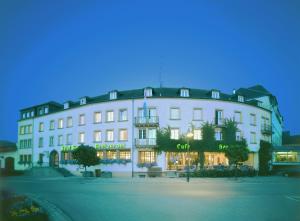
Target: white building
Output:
[{"x": 115, "y": 124}]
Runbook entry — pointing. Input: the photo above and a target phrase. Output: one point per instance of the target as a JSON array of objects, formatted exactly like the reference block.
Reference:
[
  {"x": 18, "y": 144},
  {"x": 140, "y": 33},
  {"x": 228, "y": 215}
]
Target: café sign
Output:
[{"x": 97, "y": 146}]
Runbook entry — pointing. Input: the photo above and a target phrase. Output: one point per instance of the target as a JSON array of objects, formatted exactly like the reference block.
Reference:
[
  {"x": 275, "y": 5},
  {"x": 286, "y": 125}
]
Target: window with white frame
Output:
[
  {"x": 174, "y": 113},
  {"x": 81, "y": 119},
  {"x": 238, "y": 136},
  {"x": 215, "y": 94},
  {"x": 46, "y": 110},
  {"x": 97, "y": 136},
  {"x": 51, "y": 141},
  {"x": 52, "y": 125},
  {"x": 60, "y": 140},
  {"x": 81, "y": 137},
  {"x": 123, "y": 135},
  {"x": 69, "y": 139},
  {"x": 197, "y": 134},
  {"x": 66, "y": 105},
  {"x": 197, "y": 114},
  {"x": 218, "y": 134},
  {"x": 240, "y": 98},
  {"x": 142, "y": 134},
  {"x": 253, "y": 119},
  {"x": 22, "y": 130},
  {"x": 184, "y": 92},
  {"x": 113, "y": 95},
  {"x": 60, "y": 123},
  {"x": 32, "y": 113},
  {"x": 237, "y": 117},
  {"x": 82, "y": 100},
  {"x": 30, "y": 129},
  {"x": 41, "y": 142},
  {"x": 109, "y": 116},
  {"x": 41, "y": 127},
  {"x": 123, "y": 115},
  {"x": 174, "y": 133},
  {"x": 148, "y": 92},
  {"x": 110, "y": 135},
  {"x": 97, "y": 117},
  {"x": 69, "y": 121},
  {"x": 253, "y": 138}
]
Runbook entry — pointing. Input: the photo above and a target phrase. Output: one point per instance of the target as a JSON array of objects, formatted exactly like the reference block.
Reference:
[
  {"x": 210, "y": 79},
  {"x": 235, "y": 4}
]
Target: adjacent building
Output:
[{"x": 122, "y": 126}]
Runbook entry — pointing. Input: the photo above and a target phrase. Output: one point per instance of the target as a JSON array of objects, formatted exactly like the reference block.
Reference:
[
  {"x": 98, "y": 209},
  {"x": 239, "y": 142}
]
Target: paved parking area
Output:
[{"x": 258, "y": 198}]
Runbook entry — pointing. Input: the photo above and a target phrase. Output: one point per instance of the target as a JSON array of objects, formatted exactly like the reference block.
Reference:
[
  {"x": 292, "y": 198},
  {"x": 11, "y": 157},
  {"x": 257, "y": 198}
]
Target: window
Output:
[
  {"x": 25, "y": 144},
  {"x": 123, "y": 115},
  {"x": 218, "y": 134},
  {"x": 69, "y": 139},
  {"x": 197, "y": 114},
  {"x": 109, "y": 116},
  {"x": 24, "y": 115},
  {"x": 148, "y": 92},
  {"x": 142, "y": 133},
  {"x": 83, "y": 101},
  {"x": 253, "y": 138},
  {"x": 124, "y": 155},
  {"x": 174, "y": 133},
  {"x": 81, "y": 119},
  {"x": 238, "y": 136},
  {"x": 69, "y": 121},
  {"x": 81, "y": 137},
  {"x": 41, "y": 111},
  {"x": 60, "y": 123},
  {"x": 197, "y": 134},
  {"x": 30, "y": 129},
  {"x": 46, "y": 110},
  {"x": 147, "y": 157},
  {"x": 97, "y": 117},
  {"x": 252, "y": 119},
  {"x": 218, "y": 117},
  {"x": 111, "y": 154},
  {"x": 51, "y": 127},
  {"x": 29, "y": 143},
  {"x": 123, "y": 135},
  {"x": 113, "y": 95},
  {"x": 237, "y": 117},
  {"x": 184, "y": 92},
  {"x": 22, "y": 130},
  {"x": 110, "y": 135},
  {"x": 60, "y": 140},
  {"x": 51, "y": 141},
  {"x": 215, "y": 94},
  {"x": 97, "y": 136},
  {"x": 174, "y": 113},
  {"x": 240, "y": 98},
  {"x": 41, "y": 127},
  {"x": 100, "y": 154},
  {"x": 41, "y": 142},
  {"x": 32, "y": 113},
  {"x": 66, "y": 105}
]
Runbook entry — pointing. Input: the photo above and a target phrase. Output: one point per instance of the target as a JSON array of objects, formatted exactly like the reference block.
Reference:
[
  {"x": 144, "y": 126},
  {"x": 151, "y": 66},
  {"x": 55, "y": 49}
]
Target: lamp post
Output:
[{"x": 188, "y": 135}]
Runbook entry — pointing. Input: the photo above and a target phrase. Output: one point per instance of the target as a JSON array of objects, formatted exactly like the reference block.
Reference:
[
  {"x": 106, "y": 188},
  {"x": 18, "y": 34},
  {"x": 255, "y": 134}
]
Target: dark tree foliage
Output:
[
  {"x": 265, "y": 155},
  {"x": 237, "y": 152},
  {"x": 229, "y": 132},
  {"x": 208, "y": 137},
  {"x": 86, "y": 156}
]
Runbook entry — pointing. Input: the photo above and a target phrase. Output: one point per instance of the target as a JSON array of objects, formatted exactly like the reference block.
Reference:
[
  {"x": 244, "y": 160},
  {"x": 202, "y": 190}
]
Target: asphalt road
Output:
[{"x": 255, "y": 199}]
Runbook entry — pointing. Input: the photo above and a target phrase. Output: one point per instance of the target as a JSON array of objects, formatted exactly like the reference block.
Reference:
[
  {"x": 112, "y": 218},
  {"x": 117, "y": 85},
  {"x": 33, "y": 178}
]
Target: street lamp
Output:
[{"x": 188, "y": 135}]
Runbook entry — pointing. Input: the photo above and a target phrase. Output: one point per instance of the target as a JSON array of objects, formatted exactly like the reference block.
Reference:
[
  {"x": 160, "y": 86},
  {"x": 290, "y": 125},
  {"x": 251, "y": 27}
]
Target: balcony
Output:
[
  {"x": 146, "y": 121},
  {"x": 266, "y": 129},
  {"x": 144, "y": 143}
]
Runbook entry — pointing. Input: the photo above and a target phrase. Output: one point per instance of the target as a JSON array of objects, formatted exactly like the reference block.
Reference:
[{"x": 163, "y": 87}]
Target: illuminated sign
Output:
[
  {"x": 183, "y": 146},
  {"x": 223, "y": 147},
  {"x": 97, "y": 146}
]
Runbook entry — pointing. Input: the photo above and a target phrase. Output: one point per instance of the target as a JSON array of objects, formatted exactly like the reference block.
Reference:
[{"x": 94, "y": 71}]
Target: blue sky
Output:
[{"x": 62, "y": 50}]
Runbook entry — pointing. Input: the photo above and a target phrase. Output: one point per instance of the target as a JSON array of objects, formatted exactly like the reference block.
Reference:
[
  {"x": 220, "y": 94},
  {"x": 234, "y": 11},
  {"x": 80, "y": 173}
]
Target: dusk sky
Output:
[{"x": 63, "y": 50}]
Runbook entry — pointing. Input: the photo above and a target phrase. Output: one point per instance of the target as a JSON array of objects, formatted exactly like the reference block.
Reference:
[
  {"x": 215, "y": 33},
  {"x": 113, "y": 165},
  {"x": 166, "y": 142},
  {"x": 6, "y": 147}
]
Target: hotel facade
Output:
[{"x": 122, "y": 126}]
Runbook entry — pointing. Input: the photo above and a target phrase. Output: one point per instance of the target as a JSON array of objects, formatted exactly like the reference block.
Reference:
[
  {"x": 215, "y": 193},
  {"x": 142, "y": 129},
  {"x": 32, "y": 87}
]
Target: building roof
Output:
[
  {"x": 161, "y": 92},
  {"x": 7, "y": 146}
]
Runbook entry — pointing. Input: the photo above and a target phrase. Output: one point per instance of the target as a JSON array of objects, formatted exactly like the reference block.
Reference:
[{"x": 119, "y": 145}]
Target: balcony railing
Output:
[
  {"x": 266, "y": 129},
  {"x": 147, "y": 142},
  {"x": 146, "y": 121}
]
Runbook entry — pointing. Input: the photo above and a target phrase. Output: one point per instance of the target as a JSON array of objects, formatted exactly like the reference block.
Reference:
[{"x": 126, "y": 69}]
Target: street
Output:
[{"x": 258, "y": 198}]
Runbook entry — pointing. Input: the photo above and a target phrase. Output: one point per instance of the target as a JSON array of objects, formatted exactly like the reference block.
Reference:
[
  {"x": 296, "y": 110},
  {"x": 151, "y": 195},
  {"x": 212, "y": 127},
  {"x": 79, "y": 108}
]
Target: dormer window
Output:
[
  {"x": 66, "y": 105},
  {"x": 215, "y": 94},
  {"x": 148, "y": 92},
  {"x": 46, "y": 110},
  {"x": 24, "y": 115},
  {"x": 41, "y": 112},
  {"x": 240, "y": 98},
  {"x": 112, "y": 95},
  {"x": 32, "y": 113},
  {"x": 28, "y": 114},
  {"x": 83, "y": 101},
  {"x": 184, "y": 92}
]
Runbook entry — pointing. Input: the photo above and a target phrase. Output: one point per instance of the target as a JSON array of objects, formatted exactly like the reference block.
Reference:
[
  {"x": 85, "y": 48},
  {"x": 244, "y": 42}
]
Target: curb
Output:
[{"x": 54, "y": 213}]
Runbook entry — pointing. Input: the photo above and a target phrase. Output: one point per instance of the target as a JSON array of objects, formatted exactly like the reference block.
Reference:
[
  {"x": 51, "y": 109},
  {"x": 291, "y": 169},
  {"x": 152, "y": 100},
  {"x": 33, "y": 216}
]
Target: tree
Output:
[
  {"x": 265, "y": 155},
  {"x": 86, "y": 156},
  {"x": 229, "y": 132},
  {"x": 208, "y": 141}
]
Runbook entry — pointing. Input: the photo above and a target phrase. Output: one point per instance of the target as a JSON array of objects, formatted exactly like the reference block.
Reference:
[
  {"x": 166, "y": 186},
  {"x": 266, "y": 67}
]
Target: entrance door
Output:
[
  {"x": 54, "y": 159},
  {"x": 9, "y": 164}
]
